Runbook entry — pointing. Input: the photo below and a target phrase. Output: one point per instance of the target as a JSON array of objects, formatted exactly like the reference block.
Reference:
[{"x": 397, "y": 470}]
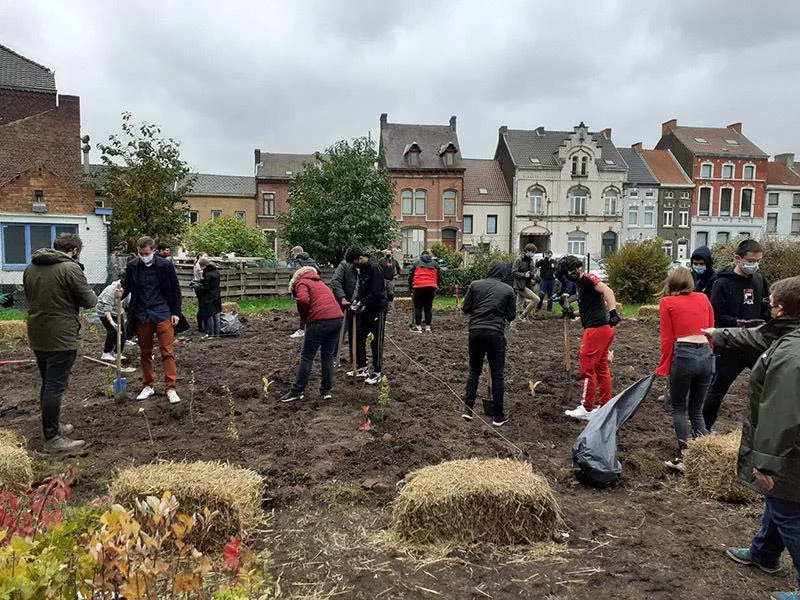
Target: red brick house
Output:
[
  {"x": 42, "y": 188},
  {"x": 427, "y": 168},
  {"x": 729, "y": 174}
]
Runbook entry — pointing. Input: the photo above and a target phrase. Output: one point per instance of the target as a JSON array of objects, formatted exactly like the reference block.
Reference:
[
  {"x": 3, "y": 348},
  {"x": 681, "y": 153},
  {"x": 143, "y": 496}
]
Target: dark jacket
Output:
[
  {"x": 426, "y": 272},
  {"x": 547, "y": 268},
  {"x": 343, "y": 282},
  {"x": 371, "y": 288},
  {"x": 209, "y": 299},
  {"x": 752, "y": 342},
  {"x": 167, "y": 282},
  {"x": 703, "y": 283},
  {"x": 56, "y": 289},
  {"x": 771, "y": 436},
  {"x": 391, "y": 268},
  {"x": 738, "y": 298},
  {"x": 315, "y": 300},
  {"x": 522, "y": 265},
  {"x": 303, "y": 260},
  {"x": 490, "y": 302}
]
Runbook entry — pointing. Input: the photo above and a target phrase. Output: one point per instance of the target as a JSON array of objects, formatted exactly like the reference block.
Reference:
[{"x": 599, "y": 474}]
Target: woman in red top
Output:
[{"x": 686, "y": 357}]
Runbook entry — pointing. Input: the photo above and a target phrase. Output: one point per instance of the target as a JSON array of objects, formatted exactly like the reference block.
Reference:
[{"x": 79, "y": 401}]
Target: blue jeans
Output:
[
  {"x": 547, "y": 287},
  {"x": 780, "y": 529},
  {"x": 322, "y": 336}
]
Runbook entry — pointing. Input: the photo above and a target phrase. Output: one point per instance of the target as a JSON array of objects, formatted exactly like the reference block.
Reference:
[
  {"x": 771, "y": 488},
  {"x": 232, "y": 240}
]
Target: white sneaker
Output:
[
  {"x": 146, "y": 392},
  {"x": 428, "y": 329},
  {"x": 581, "y": 413},
  {"x": 416, "y": 329},
  {"x": 130, "y": 343},
  {"x": 374, "y": 379},
  {"x": 361, "y": 373},
  {"x": 298, "y": 334},
  {"x": 173, "y": 397},
  {"x": 109, "y": 357}
]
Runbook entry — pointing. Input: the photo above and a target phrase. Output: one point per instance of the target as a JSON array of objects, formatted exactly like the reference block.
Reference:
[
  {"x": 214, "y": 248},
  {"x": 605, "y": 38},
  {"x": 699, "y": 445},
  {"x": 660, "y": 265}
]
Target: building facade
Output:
[
  {"x": 783, "y": 198},
  {"x": 729, "y": 174},
  {"x": 487, "y": 207},
  {"x": 566, "y": 189},
  {"x": 215, "y": 196},
  {"x": 426, "y": 166},
  {"x": 640, "y": 198},
  {"x": 42, "y": 187}
]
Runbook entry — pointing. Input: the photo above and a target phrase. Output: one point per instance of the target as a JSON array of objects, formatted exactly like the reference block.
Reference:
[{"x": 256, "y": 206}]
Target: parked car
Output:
[{"x": 682, "y": 262}]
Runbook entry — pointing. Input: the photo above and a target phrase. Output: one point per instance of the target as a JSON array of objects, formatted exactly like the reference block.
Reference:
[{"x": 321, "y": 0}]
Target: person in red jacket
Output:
[
  {"x": 686, "y": 357},
  {"x": 323, "y": 316},
  {"x": 424, "y": 278}
]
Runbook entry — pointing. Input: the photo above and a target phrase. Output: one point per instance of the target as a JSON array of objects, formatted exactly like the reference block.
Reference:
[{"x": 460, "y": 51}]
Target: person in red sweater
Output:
[
  {"x": 323, "y": 316},
  {"x": 686, "y": 357}
]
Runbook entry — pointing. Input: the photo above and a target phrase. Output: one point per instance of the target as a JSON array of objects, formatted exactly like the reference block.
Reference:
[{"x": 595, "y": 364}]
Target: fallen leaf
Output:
[{"x": 532, "y": 386}]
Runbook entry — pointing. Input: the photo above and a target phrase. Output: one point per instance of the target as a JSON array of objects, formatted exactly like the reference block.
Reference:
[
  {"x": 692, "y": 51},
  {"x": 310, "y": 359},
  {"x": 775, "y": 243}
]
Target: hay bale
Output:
[
  {"x": 231, "y": 308},
  {"x": 402, "y": 303},
  {"x": 710, "y": 463},
  {"x": 495, "y": 501},
  {"x": 16, "y": 467},
  {"x": 13, "y": 330},
  {"x": 647, "y": 310},
  {"x": 233, "y": 492}
]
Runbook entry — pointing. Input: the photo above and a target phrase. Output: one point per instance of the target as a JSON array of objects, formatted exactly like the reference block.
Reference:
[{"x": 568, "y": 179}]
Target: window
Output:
[
  {"x": 449, "y": 158},
  {"x": 772, "y": 199},
  {"x": 706, "y": 170},
  {"x": 701, "y": 239},
  {"x": 578, "y": 202},
  {"x": 419, "y": 202},
  {"x": 536, "y": 161},
  {"x": 633, "y": 215},
  {"x": 704, "y": 206},
  {"x": 744, "y": 234},
  {"x": 584, "y": 165},
  {"x": 407, "y": 201},
  {"x": 796, "y": 223},
  {"x": 467, "y": 224},
  {"x": 746, "y": 205},
  {"x": 669, "y": 195},
  {"x": 668, "y": 216},
  {"x": 700, "y": 140},
  {"x": 241, "y": 215},
  {"x": 649, "y": 211},
  {"x": 483, "y": 191},
  {"x": 610, "y": 198},
  {"x": 99, "y": 202},
  {"x": 576, "y": 242},
  {"x": 667, "y": 247},
  {"x": 215, "y": 214},
  {"x": 449, "y": 237},
  {"x": 722, "y": 237},
  {"x": 269, "y": 204},
  {"x": 413, "y": 242},
  {"x": 772, "y": 222},
  {"x": 731, "y": 142},
  {"x": 449, "y": 200},
  {"x": 574, "y": 165},
  {"x": 193, "y": 216},
  {"x": 413, "y": 202},
  {"x": 20, "y": 241},
  {"x": 725, "y": 196},
  {"x": 413, "y": 159},
  {"x": 686, "y": 195},
  {"x": 749, "y": 172},
  {"x": 491, "y": 224},
  {"x": 580, "y": 165},
  {"x": 684, "y": 218},
  {"x": 795, "y": 200},
  {"x": 633, "y": 193},
  {"x": 272, "y": 238},
  {"x": 535, "y": 200},
  {"x": 608, "y": 161},
  {"x": 649, "y": 194},
  {"x": 727, "y": 171}
]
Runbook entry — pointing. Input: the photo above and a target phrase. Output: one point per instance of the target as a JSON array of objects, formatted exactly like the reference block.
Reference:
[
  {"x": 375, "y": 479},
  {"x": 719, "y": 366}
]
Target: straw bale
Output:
[
  {"x": 233, "y": 492},
  {"x": 231, "y": 308},
  {"x": 402, "y": 303},
  {"x": 647, "y": 310},
  {"x": 16, "y": 467},
  {"x": 13, "y": 330},
  {"x": 710, "y": 463},
  {"x": 496, "y": 501}
]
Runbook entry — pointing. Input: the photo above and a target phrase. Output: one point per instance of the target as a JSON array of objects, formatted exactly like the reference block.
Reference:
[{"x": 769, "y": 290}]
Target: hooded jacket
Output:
[
  {"x": 490, "y": 302},
  {"x": 739, "y": 297},
  {"x": 315, "y": 300},
  {"x": 523, "y": 264},
  {"x": 303, "y": 260},
  {"x": 751, "y": 343},
  {"x": 371, "y": 288},
  {"x": 56, "y": 289},
  {"x": 425, "y": 273},
  {"x": 209, "y": 298},
  {"x": 343, "y": 282},
  {"x": 703, "y": 283},
  {"x": 771, "y": 436}
]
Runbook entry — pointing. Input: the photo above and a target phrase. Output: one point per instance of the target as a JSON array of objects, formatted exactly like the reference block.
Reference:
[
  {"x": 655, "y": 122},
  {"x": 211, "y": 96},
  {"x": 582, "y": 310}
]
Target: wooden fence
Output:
[{"x": 241, "y": 279}]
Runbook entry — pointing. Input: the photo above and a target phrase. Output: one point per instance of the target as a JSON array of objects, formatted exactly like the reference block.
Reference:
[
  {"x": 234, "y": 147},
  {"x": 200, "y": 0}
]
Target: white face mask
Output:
[{"x": 147, "y": 259}]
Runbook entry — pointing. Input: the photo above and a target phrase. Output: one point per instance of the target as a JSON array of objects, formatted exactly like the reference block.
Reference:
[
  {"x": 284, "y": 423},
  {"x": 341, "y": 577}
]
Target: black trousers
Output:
[
  {"x": 111, "y": 335},
  {"x": 727, "y": 369},
  {"x": 423, "y": 301},
  {"x": 321, "y": 336},
  {"x": 54, "y": 368},
  {"x": 492, "y": 345},
  {"x": 689, "y": 378},
  {"x": 374, "y": 322}
]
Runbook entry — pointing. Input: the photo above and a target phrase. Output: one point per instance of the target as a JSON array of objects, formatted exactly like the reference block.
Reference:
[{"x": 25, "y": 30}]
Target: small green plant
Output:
[
  {"x": 192, "y": 389},
  {"x": 143, "y": 412},
  {"x": 108, "y": 389},
  {"x": 383, "y": 392},
  {"x": 343, "y": 494},
  {"x": 233, "y": 430}
]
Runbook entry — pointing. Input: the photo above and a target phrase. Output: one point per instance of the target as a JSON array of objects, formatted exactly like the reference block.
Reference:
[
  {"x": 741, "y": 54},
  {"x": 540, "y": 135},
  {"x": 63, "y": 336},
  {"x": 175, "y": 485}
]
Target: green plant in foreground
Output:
[
  {"x": 233, "y": 430},
  {"x": 383, "y": 392},
  {"x": 343, "y": 494}
]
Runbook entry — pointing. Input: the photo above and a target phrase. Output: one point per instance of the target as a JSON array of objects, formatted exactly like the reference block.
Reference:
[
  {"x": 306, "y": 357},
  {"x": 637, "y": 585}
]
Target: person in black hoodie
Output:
[
  {"x": 547, "y": 285},
  {"x": 489, "y": 303},
  {"x": 370, "y": 305},
  {"x": 738, "y": 298},
  {"x": 209, "y": 299},
  {"x": 703, "y": 271}
]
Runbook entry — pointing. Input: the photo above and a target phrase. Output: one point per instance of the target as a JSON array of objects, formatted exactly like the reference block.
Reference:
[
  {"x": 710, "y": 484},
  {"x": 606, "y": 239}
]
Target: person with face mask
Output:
[
  {"x": 703, "y": 272},
  {"x": 738, "y": 299},
  {"x": 524, "y": 279}
]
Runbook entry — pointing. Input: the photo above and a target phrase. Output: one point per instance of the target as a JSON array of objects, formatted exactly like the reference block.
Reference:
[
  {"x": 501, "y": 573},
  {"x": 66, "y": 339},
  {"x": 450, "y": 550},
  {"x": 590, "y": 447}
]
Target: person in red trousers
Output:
[{"x": 598, "y": 311}]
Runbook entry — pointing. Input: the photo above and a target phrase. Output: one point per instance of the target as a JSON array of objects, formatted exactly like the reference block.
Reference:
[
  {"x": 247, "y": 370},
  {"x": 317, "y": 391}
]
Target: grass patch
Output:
[
  {"x": 13, "y": 314},
  {"x": 343, "y": 494},
  {"x": 644, "y": 464}
]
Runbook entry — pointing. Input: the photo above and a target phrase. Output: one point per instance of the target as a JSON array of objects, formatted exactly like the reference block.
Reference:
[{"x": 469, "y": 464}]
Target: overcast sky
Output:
[{"x": 297, "y": 75}]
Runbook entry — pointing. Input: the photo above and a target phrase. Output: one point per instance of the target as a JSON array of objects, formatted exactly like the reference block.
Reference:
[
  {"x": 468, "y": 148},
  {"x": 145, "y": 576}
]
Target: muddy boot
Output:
[{"x": 63, "y": 445}]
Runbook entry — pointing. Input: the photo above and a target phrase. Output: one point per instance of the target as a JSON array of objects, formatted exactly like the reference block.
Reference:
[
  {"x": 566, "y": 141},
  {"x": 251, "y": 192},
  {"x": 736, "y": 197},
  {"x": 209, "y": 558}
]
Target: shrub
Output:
[
  {"x": 446, "y": 257},
  {"x": 228, "y": 234},
  {"x": 781, "y": 257},
  {"x": 637, "y": 271}
]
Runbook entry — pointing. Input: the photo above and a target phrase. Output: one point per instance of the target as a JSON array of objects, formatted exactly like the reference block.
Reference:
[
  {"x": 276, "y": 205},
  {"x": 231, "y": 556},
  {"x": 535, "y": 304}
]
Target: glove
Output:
[
  {"x": 613, "y": 317},
  {"x": 356, "y": 307}
]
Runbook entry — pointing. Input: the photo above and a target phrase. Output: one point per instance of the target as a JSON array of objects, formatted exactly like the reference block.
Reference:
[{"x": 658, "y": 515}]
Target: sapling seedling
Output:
[
  {"x": 383, "y": 392},
  {"x": 233, "y": 430},
  {"x": 192, "y": 387},
  {"x": 266, "y": 383},
  {"x": 143, "y": 412}
]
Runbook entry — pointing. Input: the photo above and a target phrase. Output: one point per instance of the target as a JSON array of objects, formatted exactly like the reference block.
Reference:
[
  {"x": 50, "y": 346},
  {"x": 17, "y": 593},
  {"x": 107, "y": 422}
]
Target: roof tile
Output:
[
  {"x": 396, "y": 139},
  {"x": 780, "y": 174},
  {"x": 18, "y": 72},
  {"x": 539, "y": 148},
  {"x": 484, "y": 174},
  {"x": 282, "y": 166},
  {"x": 638, "y": 171},
  {"x": 666, "y": 169},
  {"x": 207, "y": 184},
  {"x": 719, "y": 141}
]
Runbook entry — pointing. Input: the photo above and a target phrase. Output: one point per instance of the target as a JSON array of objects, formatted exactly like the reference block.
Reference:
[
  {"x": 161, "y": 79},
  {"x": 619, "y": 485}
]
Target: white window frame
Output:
[
  {"x": 711, "y": 174},
  {"x": 633, "y": 211},
  {"x": 733, "y": 170},
  {"x": 776, "y": 195},
  {"x": 455, "y": 203},
  {"x": 744, "y": 171},
  {"x": 730, "y": 207},
  {"x": 535, "y": 195},
  {"x": 795, "y": 199},
  {"x": 767, "y": 217},
  {"x": 576, "y": 243},
  {"x": 686, "y": 195},
  {"x": 710, "y": 200},
  {"x": 667, "y": 247},
  {"x": 274, "y": 240},
  {"x": 669, "y": 217},
  {"x": 633, "y": 193},
  {"x": 795, "y": 219},
  {"x": 216, "y": 214},
  {"x": 574, "y": 200},
  {"x": 241, "y": 215},
  {"x": 649, "y": 209},
  {"x": 697, "y": 235},
  {"x": 669, "y": 195},
  {"x": 265, "y": 212},
  {"x": 684, "y": 218},
  {"x": 194, "y": 218},
  {"x": 610, "y": 201},
  {"x": 410, "y": 210},
  {"x": 488, "y": 220},
  {"x": 424, "y": 192},
  {"x": 727, "y": 238},
  {"x": 741, "y": 201},
  {"x": 407, "y": 244}
]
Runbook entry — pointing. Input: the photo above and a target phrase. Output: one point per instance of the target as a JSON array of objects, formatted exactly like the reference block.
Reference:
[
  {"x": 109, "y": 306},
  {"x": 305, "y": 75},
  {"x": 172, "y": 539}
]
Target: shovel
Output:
[
  {"x": 27, "y": 361},
  {"x": 110, "y": 365},
  {"x": 567, "y": 398},
  {"x": 337, "y": 361},
  {"x": 353, "y": 352},
  {"x": 120, "y": 383}
]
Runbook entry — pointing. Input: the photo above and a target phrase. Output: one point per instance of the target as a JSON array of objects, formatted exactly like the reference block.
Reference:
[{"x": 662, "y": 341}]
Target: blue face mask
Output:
[
  {"x": 749, "y": 268},
  {"x": 530, "y": 254},
  {"x": 699, "y": 270}
]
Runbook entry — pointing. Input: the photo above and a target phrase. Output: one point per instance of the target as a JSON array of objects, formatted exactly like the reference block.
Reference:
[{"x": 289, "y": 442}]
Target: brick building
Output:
[
  {"x": 729, "y": 174},
  {"x": 783, "y": 197},
  {"x": 426, "y": 166},
  {"x": 42, "y": 189},
  {"x": 215, "y": 196}
]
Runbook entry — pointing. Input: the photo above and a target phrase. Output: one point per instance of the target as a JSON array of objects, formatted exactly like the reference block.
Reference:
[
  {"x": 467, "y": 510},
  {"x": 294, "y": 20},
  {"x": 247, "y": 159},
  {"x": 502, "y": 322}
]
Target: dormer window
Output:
[
  {"x": 448, "y": 153},
  {"x": 412, "y": 152},
  {"x": 448, "y": 158},
  {"x": 413, "y": 159}
]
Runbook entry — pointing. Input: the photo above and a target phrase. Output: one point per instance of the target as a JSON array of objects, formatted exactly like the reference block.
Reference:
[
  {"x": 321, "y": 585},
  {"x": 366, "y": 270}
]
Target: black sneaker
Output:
[
  {"x": 290, "y": 397},
  {"x": 468, "y": 414},
  {"x": 325, "y": 394},
  {"x": 501, "y": 422}
]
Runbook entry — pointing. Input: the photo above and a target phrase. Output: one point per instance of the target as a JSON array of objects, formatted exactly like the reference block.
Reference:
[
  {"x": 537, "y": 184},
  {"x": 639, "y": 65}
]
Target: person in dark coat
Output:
[
  {"x": 703, "y": 272},
  {"x": 370, "y": 305},
  {"x": 209, "y": 298},
  {"x": 343, "y": 285}
]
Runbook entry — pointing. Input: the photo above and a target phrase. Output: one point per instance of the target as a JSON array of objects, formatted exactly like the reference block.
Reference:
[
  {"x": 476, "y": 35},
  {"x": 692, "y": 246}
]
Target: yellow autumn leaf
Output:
[{"x": 532, "y": 386}]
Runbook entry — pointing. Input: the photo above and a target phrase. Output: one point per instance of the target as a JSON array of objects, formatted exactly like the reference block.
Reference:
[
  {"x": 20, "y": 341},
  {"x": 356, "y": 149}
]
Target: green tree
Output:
[
  {"x": 146, "y": 183},
  {"x": 228, "y": 234},
  {"x": 446, "y": 257},
  {"x": 637, "y": 271},
  {"x": 342, "y": 203}
]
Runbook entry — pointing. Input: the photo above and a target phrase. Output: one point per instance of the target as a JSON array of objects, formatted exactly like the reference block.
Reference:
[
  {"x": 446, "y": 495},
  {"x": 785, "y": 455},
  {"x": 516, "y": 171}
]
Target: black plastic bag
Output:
[{"x": 594, "y": 453}]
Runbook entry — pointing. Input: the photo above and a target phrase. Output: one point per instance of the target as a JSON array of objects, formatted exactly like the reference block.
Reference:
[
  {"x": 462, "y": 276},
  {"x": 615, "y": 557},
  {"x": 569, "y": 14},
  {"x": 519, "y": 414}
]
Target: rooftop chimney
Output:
[
  {"x": 453, "y": 123},
  {"x": 503, "y": 129},
  {"x": 667, "y": 127},
  {"x": 607, "y": 133},
  {"x": 737, "y": 127},
  {"x": 637, "y": 146},
  {"x": 787, "y": 158},
  {"x": 257, "y": 153},
  {"x": 384, "y": 118},
  {"x": 85, "y": 148}
]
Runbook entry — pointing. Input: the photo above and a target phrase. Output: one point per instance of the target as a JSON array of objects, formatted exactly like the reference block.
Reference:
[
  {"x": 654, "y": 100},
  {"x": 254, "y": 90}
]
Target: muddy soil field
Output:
[{"x": 647, "y": 538}]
